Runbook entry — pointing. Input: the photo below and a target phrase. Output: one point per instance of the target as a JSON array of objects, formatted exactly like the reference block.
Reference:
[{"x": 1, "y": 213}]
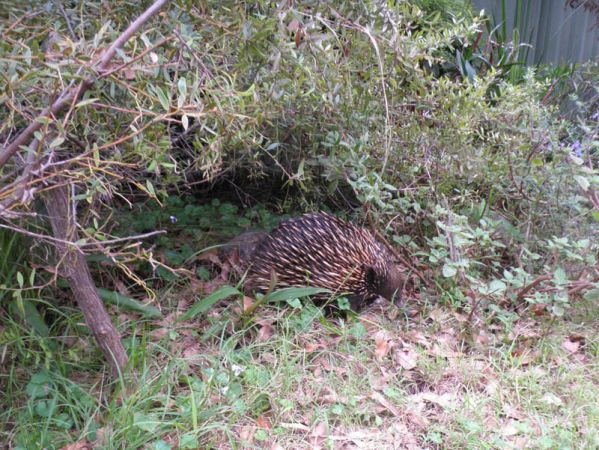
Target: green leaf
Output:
[
  {"x": 31, "y": 316},
  {"x": 162, "y": 97},
  {"x": 56, "y": 142},
  {"x": 282, "y": 295},
  {"x": 150, "y": 188},
  {"x": 182, "y": 87},
  {"x": 43, "y": 120},
  {"x": 576, "y": 160},
  {"x": 124, "y": 302},
  {"x": 583, "y": 182},
  {"x": 204, "y": 305},
  {"x": 85, "y": 102},
  {"x": 161, "y": 445},
  {"x": 261, "y": 435},
  {"x": 39, "y": 386},
  {"x": 560, "y": 277},
  {"x": 537, "y": 162},
  {"x": 250, "y": 91},
  {"x": 145, "y": 422},
  {"x": 497, "y": 287},
  {"x": 592, "y": 295},
  {"x": 20, "y": 279},
  {"x": 188, "y": 441},
  {"x": 294, "y": 303},
  {"x": 449, "y": 271}
]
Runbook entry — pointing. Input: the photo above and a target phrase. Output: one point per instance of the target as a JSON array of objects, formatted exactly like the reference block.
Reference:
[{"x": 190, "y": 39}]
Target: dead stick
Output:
[{"x": 532, "y": 285}]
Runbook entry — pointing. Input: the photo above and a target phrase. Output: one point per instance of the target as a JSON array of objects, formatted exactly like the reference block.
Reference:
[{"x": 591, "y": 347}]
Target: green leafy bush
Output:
[{"x": 319, "y": 102}]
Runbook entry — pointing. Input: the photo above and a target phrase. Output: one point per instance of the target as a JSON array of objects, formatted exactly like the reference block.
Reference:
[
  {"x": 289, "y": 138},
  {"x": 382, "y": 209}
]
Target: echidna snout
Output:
[{"x": 392, "y": 283}]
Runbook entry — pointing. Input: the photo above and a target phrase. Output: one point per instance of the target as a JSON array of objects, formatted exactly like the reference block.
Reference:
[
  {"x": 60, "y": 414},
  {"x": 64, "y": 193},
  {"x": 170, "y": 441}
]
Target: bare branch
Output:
[
  {"x": 43, "y": 237},
  {"x": 70, "y": 94}
]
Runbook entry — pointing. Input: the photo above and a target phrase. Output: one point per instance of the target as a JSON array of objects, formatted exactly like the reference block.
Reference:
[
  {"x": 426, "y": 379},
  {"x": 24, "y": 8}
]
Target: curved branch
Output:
[{"x": 70, "y": 94}]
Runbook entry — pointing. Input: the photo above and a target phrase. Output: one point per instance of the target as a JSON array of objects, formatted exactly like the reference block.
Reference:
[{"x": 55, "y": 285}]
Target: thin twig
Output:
[
  {"x": 80, "y": 244},
  {"x": 137, "y": 58},
  {"x": 68, "y": 95},
  {"x": 66, "y": 19},
  {"x": 531, "y": 286}
]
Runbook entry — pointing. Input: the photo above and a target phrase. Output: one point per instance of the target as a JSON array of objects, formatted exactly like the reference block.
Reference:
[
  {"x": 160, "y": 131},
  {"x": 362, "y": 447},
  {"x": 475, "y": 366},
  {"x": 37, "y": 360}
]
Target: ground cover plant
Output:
[{"x": 216, "y": 118}]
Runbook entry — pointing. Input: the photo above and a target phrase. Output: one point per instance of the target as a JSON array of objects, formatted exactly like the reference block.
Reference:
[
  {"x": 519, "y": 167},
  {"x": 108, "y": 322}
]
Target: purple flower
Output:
[
  {"x": 577, "y": 148},
  {"x": 173, "y": 219}
]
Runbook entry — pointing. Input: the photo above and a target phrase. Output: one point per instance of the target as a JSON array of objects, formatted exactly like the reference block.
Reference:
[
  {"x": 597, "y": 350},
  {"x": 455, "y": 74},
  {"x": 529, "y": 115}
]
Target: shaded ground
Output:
[{"x": 293, "y": 379}]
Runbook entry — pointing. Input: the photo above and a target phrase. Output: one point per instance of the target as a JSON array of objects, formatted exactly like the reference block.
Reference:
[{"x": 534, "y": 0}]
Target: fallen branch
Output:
[{"x": 531, "y": 286}]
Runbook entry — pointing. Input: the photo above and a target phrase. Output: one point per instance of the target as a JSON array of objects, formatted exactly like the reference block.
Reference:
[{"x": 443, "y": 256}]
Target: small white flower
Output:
[{"x": 237, "y": 369}]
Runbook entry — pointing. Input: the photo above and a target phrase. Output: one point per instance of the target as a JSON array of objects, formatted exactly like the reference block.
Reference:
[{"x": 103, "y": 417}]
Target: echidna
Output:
[{"x": 321, "y": 250}]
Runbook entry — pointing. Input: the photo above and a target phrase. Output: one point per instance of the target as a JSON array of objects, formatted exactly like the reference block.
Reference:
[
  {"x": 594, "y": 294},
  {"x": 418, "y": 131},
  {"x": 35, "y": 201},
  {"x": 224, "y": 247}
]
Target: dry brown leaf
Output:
[
  {"x": 438, "y": 315},
  {"x": 263, "y": 422},
  {"x": 444, "y": 352},
  {"x": 265, "y": 333},
  {"x": 78, "y": 446},
  {"x": 482, "y": 338},
  {"x": 248, "y": 302},
  {"x": 377, "y": 396},
  {"x": 293, "y": 25},
  {"x": 320, "y": 430},
  {"x": 312, "y": 346},
  {"x": 512, "y": 412},
  {"x": 510, "y": 429},
  {"x": 224, "y": 271},
  {"x": 411, "y": 313},
  {"x": 158, "y": 333},
  {"x": 212, "y": 256},
  {"x": 298, "y": 38},
  {"x": 539, "y": 309},
  {"x": 406, "y": 358},
  {"x": 526, "y": 355},
  {"x": 491, "y": 387},
  {"x": 417, "y": 418},
  {"x": 247, "y": 434},
  {"x": 443, "y": 400},
  {"x": 381, "y": 350},
  {"x": 379, "y": 383},
  {"x": 417, "y": 337},
  {"x": 382, "y": 346},
  {"x": 526, "y": 329},
  {"x": 213, "y": 285},
  {"x": 295, "y": 426},
  {"x": 570, "y": 345}
]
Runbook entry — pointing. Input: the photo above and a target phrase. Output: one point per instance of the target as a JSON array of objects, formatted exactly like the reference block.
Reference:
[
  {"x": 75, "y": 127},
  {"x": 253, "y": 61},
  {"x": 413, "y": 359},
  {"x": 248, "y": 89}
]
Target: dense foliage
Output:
[
  {"x": 223, "y": 116},
  {"x": 347, "y": 105}
]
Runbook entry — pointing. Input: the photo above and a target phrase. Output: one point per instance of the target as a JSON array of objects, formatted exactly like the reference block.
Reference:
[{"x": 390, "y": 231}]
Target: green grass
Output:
[{"x": 295, "y": 379}]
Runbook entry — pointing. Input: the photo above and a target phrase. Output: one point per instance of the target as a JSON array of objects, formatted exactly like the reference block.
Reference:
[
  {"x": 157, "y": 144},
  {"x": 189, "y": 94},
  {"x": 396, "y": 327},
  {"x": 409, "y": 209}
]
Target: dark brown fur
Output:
[{"x": 321, "y": 250}]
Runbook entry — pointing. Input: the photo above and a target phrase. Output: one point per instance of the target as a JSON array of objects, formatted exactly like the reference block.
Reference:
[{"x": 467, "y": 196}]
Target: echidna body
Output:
[{"x": 321, "y": 250}]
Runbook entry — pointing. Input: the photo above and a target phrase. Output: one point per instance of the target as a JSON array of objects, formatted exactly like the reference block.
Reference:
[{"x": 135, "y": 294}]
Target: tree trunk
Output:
[{"x": 73, "y": 267}]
